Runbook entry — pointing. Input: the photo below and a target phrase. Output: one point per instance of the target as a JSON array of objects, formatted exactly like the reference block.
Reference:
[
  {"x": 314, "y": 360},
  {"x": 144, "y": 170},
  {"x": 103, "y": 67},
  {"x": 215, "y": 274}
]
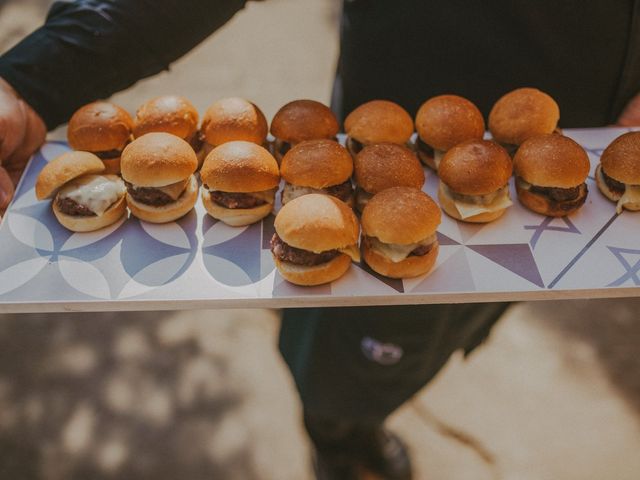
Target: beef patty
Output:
[{"x": 298, "y": 256}]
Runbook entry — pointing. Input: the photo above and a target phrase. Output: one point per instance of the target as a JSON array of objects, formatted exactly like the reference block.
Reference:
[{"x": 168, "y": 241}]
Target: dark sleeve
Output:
[{"x": 90, "y": 49}]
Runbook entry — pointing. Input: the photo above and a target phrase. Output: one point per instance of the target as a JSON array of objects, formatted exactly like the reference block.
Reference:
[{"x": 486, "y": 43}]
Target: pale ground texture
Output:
[{"x": 554, "y": 394}]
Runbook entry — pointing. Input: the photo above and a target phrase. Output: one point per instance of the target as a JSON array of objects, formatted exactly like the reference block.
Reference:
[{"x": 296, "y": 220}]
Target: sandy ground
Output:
[{"x": 554, "y": 394}]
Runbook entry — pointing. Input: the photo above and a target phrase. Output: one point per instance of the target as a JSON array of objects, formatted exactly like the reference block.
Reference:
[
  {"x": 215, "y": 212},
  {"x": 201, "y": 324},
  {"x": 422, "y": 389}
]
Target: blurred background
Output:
[{"x": 553, "y": 394}]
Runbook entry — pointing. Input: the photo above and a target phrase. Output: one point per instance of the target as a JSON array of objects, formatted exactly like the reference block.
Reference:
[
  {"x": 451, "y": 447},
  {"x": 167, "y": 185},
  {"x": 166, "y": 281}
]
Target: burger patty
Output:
[
  {"x": 343, "y": 191},
  {"x": 71, "y": 207},
  {"x": 560, "y": 195},
  {"x": 425, "y": 148},
  {"x": 196, "y": 141},
  {"x": 148, "y": 195},
  {"x": 421, "y": 250},
  {"x": 283, "y": 147},
  {"x": 614, "y": 185},
  {"x": 354, "y": 145},
  {"x": 287, "y": 253},
  {"x": 235, "y": 199},
  {"x": 108, "y": 154}
]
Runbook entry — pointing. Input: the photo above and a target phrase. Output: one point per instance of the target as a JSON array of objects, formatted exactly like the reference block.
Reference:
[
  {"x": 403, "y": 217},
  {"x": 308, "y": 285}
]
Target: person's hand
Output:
[
  {"x": 22, "y": 132},
  {"x": 630, "y": 116}
]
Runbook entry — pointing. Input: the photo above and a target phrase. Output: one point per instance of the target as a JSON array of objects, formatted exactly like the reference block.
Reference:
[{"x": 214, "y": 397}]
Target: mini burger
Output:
[
  {"x": 399, "y": 232},
  {"x": 443, "y": 122},
  {"x": 239, "y": 182},
  {"x": 317, "y": 166},
  {"x": 385, "y": 165},
  {"x": 618, "y": 175},
  {"x": 550, "y": 175},
  {"x": 316, "y": 238},
  {"x": 170, "y": 114},
  {"x": 103, "y": 129},
  {"x": 302, "y": 120},
  {"x": 377, "y": 121},
  {"x": 521, "y": 114},
  {"x": 474, "y": 178},
  {"x": 85, "y": 198},
  {"x": 158, "y": 171}
]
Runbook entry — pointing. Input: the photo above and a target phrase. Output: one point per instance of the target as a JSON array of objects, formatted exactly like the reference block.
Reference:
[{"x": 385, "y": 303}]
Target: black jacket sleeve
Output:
[{"x": 89, "y": 49}]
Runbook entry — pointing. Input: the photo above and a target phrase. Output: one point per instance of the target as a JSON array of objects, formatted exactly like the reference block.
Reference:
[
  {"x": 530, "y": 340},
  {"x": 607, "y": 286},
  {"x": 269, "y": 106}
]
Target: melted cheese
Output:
[
  {"x": 353, "y": 251},
  {"x": 289, "y": 192},
  {"x": 467, "y": 210},
  {"x": 437, "y": 157},
  {"x": 96, "y": 192},
  {"x": 362, "y": 198},
  {"x": 175, "y": 189},
  {"x": 630, "y": 197},
  {"x": 395, "y": 252}
]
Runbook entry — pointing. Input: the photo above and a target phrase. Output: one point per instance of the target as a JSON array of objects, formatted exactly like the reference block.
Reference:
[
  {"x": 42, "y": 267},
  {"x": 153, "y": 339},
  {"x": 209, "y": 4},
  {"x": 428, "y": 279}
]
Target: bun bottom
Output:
[
  {"x": 412, "y": 266},
  {"x": 236, "y": 217},
  {"x": 111, "y": 165},
  {"x": 166, "y": 213},
  {"x": 427, "y": 160},
  {"x": 543, "y": 205},
  {"x": 610, "y": 194},
  {"x": 449, "y": 207},
  {"x": 77, "y": 223},
  {"x": 316, "y": 275}
]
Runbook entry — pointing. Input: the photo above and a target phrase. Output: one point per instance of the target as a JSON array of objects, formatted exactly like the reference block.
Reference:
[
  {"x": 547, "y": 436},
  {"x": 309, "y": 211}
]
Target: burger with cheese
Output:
[{"x": 618, "y": 175}]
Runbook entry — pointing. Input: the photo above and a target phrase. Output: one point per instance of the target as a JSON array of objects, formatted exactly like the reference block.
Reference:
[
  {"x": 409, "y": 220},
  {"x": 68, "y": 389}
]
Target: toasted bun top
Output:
[
  {"x": 446, "y": 120},
  {"x": 157, "y": 159},
  {"x": 317, "y": 223},
  {"x": 476, "y": 167},
  {"x": 551, "y": 161},
  {"x": 317, "y": 164},
  {"x": 521, "y": 114},
  {"x": 170, "y": 113},
  {"x": 232, "y": 119},
  {"x": 240, "y": 167},
  {"x": 621, "y": 159},
  {"x": 400, "y": 215},
  {"x": 386, "y": 165},
  {"x": 379, "y": 121},
  {"x": 99, "y": 127},
  {"x": 65, "y": 168},
  {"x": 304, "y": 120}
]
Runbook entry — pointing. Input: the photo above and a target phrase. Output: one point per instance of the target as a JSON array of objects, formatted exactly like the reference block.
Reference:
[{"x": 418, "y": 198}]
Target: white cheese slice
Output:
[
  {"x": 631, "y": 196},
  {"x": 523, "y": 183},
  {"x": 289, "y": 192},
  {"x": 353, "y": 251},
  {"x": 437, "y": 157},
  {"x": 467, "y": 210},
  {"x": 175, "y": 189},
  {"x": 395, "y": 252},
  {"x": 96, "y": 192}
]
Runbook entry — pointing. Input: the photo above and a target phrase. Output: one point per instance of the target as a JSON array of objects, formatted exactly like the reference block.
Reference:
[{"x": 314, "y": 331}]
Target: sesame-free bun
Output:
[
  {"x": 317, "y": 164},
  {"x": 551, "y": 161},
  {"x": 233, "y": 119},
  {"x": 65, "y": 168},
  {"x": 240, "y": 166},
  {"x": 169, "y": 212},
  {"x": 446, "y": 120},
  {"x": 476, "y": 167},
  {"x": 304, "y": 120},
  {"x": 236, "y": 217},
  {"x": 170, "y": 114},
  {"x": 621, "y": 159},
  {"x": 386, "y": 165},
  {"x": 379, "y": 121},
  {"x": 449, "y": 207},
  {"x": 412, "y": 266},
  {"x": 157, "y": 159},
  {"x": 99, "y": 127},
  {"x": 316, "y": 275},
  {"x": 521, "y": 114},
  {"x": 78, "y": 223}
]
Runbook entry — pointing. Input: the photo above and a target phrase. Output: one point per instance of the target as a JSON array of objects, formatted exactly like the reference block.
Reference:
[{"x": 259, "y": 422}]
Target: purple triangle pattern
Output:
[
  {"x": 453, "y": 275},
  {"x": 468, "y": 230},
  {"x": 516, "y": 258},
  {"x": 444, "y": 240},
  {"x": 394, "y": 283}
]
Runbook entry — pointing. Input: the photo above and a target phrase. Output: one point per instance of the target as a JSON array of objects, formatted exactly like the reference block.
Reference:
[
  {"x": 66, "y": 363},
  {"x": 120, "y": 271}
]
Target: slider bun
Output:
[
  {"x": 379, "y": 121},
  {"x": 65, "y": 168},
  {"x": 78, "y": 223},
  {"x": 449, "y": 207},
  {"x": 304, "y": 120},
  {"x": 476, "y": 167},
  {"x": 99, "y": 127},
  {"x": 317, "y": 164},
  {"x": 604, "y": 188},
  {"x": 169, "y": 212},
  {"x": 317, "y": 223},
  {"x": 621, "y": 159},
  {"x": 232, "y": 119},
  {"x": 521, "y": 114},
  {"x": 172, "y": 114},
  {"x": 112, "y": 165},
  {"x": 314, "y": 275},
  {"x": 411, "y": 266},
  {"x": 240, "y": 166},
  {"x": 384, "y": 165},
  {"x": 236, "y": 217},
  {"x": 400, "y": 215},
  {"x": 446, "y": 120},
  {"x": 542, "y": 204},
  {"x": 552, "y": 160},
  {"x": 157, "y": 159}
]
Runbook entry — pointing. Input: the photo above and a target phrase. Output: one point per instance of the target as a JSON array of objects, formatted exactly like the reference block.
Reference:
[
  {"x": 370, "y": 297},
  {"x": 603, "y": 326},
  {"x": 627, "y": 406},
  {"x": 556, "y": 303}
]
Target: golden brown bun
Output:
[
  {"x": 304, "y": 120},
  {"x": 316, "y": 275},
  {"x": 552, "y": 161},
  {"x": 317, "y": 164},
  {"x": 233, "y": 119},
  {"x": 99, "y": 127},
  {"x": 90, "y": 223},
  {"x": 64, "y": 168},
  {"x": 446, "y": 120},
  {"x": 521, "y": 114},
  {"x": 379, "y": 121},
  {"x": 236, "y": 217},
  {"x": 541, "y": 203},
  {"x": 112, "y": 165},
  {"x": 240, "y": 166},
  {"x": 604, "y": 188},
  {"x": 172, "y": 114},
  {"x": 621, "y": 159},
  {"x": 386, "y": 165},
  {"x": 169, "y": 212},
  {"x": 400, "y": 215},
  {"x": 411, "y": 266},
  {"x": 157, "y": 159},
  {"x": 476, "y": 167},
  {"x": 317, "y": 223},
  {"x": 448, "y": 206}
]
